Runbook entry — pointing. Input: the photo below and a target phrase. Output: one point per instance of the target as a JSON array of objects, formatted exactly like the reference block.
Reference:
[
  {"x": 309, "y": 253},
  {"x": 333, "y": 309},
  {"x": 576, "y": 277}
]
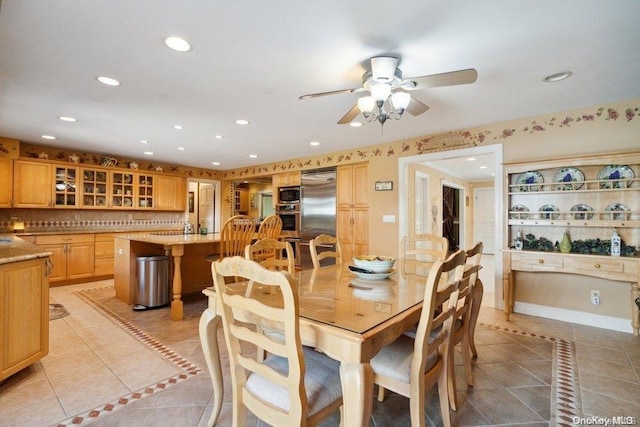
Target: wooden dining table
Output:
[{"x": 347, "y": 318}]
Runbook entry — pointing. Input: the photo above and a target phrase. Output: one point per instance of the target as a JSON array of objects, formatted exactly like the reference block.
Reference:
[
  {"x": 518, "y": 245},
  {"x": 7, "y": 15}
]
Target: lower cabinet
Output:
[
  {"x": 72, "y": 255},
  {"x": 103, "y": 261},
  {"x": 352, "y": 228},
  {"x": 24, "y": 315}
]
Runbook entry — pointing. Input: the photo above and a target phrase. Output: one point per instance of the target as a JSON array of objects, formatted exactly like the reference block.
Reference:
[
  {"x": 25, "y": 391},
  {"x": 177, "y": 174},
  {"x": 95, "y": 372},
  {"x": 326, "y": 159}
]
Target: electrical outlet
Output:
[{"x": 595, "y": 297}]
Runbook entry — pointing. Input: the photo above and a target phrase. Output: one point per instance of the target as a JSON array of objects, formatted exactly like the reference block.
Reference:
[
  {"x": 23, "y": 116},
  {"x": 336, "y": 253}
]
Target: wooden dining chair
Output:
[
  {"x": 294, "y": 385},
  {"x": 410, "y": 366},
  {"x": 236, "y": 234},
  {"x": 270, "y": 227},
  {"x": 419, "y": 252},
  {"x": 464, "y": 321},
  {"x": 257, "y": 250},
  {"x": 325, "y": 240}
]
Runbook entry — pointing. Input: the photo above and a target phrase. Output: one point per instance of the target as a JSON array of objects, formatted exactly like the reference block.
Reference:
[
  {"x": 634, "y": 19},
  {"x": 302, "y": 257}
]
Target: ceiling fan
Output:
[{"x": 389, "y": 97}]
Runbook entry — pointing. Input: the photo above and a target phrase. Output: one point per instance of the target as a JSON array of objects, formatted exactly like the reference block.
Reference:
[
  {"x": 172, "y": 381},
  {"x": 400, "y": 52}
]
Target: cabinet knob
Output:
[
  {"x": 541, "y": 261},
  {"x": 596, "y": 265}
]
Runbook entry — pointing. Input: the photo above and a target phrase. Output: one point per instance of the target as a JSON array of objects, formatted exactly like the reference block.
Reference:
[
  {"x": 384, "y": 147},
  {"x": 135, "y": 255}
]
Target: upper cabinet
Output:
[
  {"x": 32, "y": 184},
  {"x": 6, "y": 182},
  {"x": 286, "y": 179},
  {"x": 170, "y": 193},
  {"x": 24, "y": 184},
  {"x": 587, "y": 197},
  {"x": 352, "y": 185}
]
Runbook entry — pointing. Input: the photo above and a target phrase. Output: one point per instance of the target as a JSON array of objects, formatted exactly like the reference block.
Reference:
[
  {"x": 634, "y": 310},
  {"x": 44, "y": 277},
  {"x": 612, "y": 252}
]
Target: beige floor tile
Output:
[
  {"x": 609, "y": 368},
  {"x": 501, "y": 407},
  {"x": 608, "y": 386},
  {"x": 509, "y": 375},
  {"x": 150, "y": 373},
  {"x": 85, "y": 398},
  {"x": 597, "y": 404},
  {"x": 39, "y": 414},
  {"x": 23, "y": 389}
]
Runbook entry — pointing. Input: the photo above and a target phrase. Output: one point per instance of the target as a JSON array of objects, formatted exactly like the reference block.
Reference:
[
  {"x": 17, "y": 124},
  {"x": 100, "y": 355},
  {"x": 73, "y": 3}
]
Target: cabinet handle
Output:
[
  {"x": 596, "y": 265},
  {"x": 541, "y": 261},
  {"x": 66, "y": 239}
]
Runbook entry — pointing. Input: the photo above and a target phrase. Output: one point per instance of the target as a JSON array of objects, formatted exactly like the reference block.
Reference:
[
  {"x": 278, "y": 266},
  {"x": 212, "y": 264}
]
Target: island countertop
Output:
[
  {"x": 171, "y": 238},
  {"x": 14, "y": 249}
]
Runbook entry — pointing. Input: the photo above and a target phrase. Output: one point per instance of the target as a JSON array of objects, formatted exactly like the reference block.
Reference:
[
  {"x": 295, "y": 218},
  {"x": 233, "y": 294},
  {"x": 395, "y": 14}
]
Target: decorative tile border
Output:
[
  {"x": 92, "y": 225},
  {"x": 189, "y": 369},
  {"x": 565, "y": 383}
]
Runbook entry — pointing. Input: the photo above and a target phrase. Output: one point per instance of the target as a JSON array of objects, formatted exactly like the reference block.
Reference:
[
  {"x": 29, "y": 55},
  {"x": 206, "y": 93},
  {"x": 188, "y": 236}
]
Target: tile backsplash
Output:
[{"x": 68, "y": 220}]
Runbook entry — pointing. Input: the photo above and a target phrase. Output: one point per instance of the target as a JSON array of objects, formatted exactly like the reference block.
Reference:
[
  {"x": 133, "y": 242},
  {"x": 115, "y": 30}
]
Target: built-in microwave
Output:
[{"x": 289, "y": 194}]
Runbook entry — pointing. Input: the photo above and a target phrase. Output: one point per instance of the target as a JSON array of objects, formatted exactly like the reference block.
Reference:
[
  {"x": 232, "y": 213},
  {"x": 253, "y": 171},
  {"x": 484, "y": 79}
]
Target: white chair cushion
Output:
[
  {"x": 394, "y": 360},
  {"x": 321, "y": 381}
]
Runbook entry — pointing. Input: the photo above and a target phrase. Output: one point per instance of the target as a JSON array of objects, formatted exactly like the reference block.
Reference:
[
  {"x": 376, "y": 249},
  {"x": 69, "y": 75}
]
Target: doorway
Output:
[
  {"x": 204, "y": 204},
  {"x": 409, "y": 194},
  {"x": 452, "y": 214}
]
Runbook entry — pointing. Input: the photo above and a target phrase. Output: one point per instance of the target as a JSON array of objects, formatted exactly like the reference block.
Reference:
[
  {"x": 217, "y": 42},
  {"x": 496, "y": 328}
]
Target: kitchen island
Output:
[
  {"x": 191, "y": 271},
  {"x": 24, "y": 304}
]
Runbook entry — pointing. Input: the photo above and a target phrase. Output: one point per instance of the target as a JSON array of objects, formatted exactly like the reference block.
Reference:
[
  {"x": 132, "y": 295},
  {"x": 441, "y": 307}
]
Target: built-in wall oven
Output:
[{"x": 290, "y": 216}]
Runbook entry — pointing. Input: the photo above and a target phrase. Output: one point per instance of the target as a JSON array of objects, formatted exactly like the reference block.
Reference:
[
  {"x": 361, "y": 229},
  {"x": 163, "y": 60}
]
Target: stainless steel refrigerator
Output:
[{"x": 317, "y": 209}]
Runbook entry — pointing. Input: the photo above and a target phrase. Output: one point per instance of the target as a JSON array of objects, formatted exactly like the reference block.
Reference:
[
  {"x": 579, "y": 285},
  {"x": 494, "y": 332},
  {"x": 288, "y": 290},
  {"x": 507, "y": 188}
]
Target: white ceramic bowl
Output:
[{"x": 375, "y": 263}]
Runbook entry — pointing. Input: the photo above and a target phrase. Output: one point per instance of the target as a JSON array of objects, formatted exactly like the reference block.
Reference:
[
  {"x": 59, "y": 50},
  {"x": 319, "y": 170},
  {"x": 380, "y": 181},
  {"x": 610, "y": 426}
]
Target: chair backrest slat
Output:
[
  {"x": 325, "y": 239},
  {"x": 418, "y": 253}
]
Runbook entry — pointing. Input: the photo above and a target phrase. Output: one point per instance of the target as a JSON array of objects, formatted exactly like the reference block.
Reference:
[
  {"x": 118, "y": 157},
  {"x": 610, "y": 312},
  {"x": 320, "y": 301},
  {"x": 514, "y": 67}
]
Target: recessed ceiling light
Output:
[
  {"x": 48, "y": 137},
  {"x": 558, "y": 76},
  {"x": 242, "y": 122},
  {"x": 177, "y": 43},
  {"x": 144, "y": 141},
  {"x": 148, "y": 153},
  {"x": 471, "y": 159},
  {"x": 67, "y": 119},
  {"x": 483, "y": 167},
  {"x": 108, "y": 81},
  {"x": 314, "y": 143},
  {"x": 253, "y": 156},
  {"x": 219, "y": 137},
  {"x": 180, "y": 148},
  {"x": 355, "y": 124},
  {"x": 215, "y": 163},
  {"x": 179, "y": 127}
]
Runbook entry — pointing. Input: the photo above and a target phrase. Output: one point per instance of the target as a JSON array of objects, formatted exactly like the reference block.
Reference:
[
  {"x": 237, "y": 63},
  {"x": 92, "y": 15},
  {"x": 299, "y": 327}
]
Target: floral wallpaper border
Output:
[{"x": 438, "y": 142}]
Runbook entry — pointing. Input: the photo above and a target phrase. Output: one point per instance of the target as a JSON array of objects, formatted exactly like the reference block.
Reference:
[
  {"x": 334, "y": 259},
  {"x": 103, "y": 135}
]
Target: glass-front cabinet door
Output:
[
  {"x": 122, "y": 186},
  {"x": 144, "y": 194},
  {"x": 94, "y": 188},
  {"x": 66, "y": 186}
]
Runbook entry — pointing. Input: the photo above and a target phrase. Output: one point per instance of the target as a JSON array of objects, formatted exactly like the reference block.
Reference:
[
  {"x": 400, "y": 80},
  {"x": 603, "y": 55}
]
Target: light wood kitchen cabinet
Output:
[
  {"x": 103, "y": 256},
  {"x": 285, "y": 179},
  {"x": 95, "y": 185},
  {"x": 72, "y": 255},
  {"x": 144, "y": 191},
  {"x": 122, "y": 187},
  {"x": 352, "y": 221},
  {"x": 24, "y": 315},
  {"x": 66, "y": 186},
  {"x": 32, "y": 184},
  {"x": 170, "y": 193},
  {"x": 241, "y": 204},
  {"x": 6, "y": 182}
]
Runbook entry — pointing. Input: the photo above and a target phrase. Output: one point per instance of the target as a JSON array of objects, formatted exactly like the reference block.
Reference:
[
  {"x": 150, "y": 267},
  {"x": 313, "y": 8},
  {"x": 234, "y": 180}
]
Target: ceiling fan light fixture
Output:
[
  {"x": 400, "y": 101},
  {"x": 383, "y": 68},
  {"x": 366, "y": 104},
  {"x": 380, "y": 92}
]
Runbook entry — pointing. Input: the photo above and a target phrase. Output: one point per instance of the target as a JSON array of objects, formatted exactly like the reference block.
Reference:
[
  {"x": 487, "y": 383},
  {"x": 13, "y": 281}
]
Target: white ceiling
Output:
[{"x": 254, "y": 59}]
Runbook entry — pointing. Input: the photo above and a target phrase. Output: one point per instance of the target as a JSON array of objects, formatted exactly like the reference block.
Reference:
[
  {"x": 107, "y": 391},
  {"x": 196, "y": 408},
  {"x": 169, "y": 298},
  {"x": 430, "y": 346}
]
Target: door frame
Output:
[
  {"x": 404, "y": 164},
  {"x": 217, "y": 206}
]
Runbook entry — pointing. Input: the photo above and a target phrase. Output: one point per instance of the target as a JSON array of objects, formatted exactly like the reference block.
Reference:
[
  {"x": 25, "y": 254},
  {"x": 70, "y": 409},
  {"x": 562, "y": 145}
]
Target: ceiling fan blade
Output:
[
  {"x": 351, "y": 114},
  {"x": 416, "y": 107},
  {"x": 332, "y": 92},
  {"x": 452, "y": 78}
]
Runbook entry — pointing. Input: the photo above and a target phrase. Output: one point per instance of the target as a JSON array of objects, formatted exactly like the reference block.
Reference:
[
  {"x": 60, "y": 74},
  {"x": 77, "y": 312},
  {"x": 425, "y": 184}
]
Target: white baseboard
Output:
[{"x": 579, "y": 317}]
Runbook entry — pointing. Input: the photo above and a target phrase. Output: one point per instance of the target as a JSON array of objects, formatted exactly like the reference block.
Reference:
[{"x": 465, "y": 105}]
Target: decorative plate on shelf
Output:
[
  {"x": 616, "y": 174},
  {"x": 619, "y": 211},
  {"x": 579, "y": 211},
  {"x": 128, "y": 203},
  {"x": 528, "y": 179},
  {"x": 549, "y": 212},
  {"x": 568, "y": 179},
  {"x": 88, "y": 201},
  {"x": 519, "y": 212}
]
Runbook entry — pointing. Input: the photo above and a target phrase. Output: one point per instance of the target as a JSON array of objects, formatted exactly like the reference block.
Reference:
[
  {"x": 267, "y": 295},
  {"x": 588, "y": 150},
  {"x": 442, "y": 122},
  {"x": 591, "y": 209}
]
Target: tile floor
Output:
[{"x": 111, "y": 366}]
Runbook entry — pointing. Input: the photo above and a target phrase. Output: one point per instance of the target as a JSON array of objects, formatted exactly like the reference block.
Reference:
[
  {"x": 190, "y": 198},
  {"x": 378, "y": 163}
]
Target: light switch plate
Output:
[{"x": 388, "y": 218}]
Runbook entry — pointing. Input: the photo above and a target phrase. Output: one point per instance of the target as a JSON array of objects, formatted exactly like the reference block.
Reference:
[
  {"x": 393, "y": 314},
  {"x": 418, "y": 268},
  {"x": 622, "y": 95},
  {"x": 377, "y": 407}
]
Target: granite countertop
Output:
[
  {"x": 14, "y": 249},
  {"x": 171, "y": 238}
]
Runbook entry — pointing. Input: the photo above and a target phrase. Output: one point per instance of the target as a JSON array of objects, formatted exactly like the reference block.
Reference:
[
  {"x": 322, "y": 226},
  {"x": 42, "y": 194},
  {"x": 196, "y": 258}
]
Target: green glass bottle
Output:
[{"x": 565, "y": 244}]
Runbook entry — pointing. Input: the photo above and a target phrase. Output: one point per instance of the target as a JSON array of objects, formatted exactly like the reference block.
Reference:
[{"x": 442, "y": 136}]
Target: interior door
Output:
[
  {"x": 484, "y": 218},
  {"x": 206, "y": 205}
]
